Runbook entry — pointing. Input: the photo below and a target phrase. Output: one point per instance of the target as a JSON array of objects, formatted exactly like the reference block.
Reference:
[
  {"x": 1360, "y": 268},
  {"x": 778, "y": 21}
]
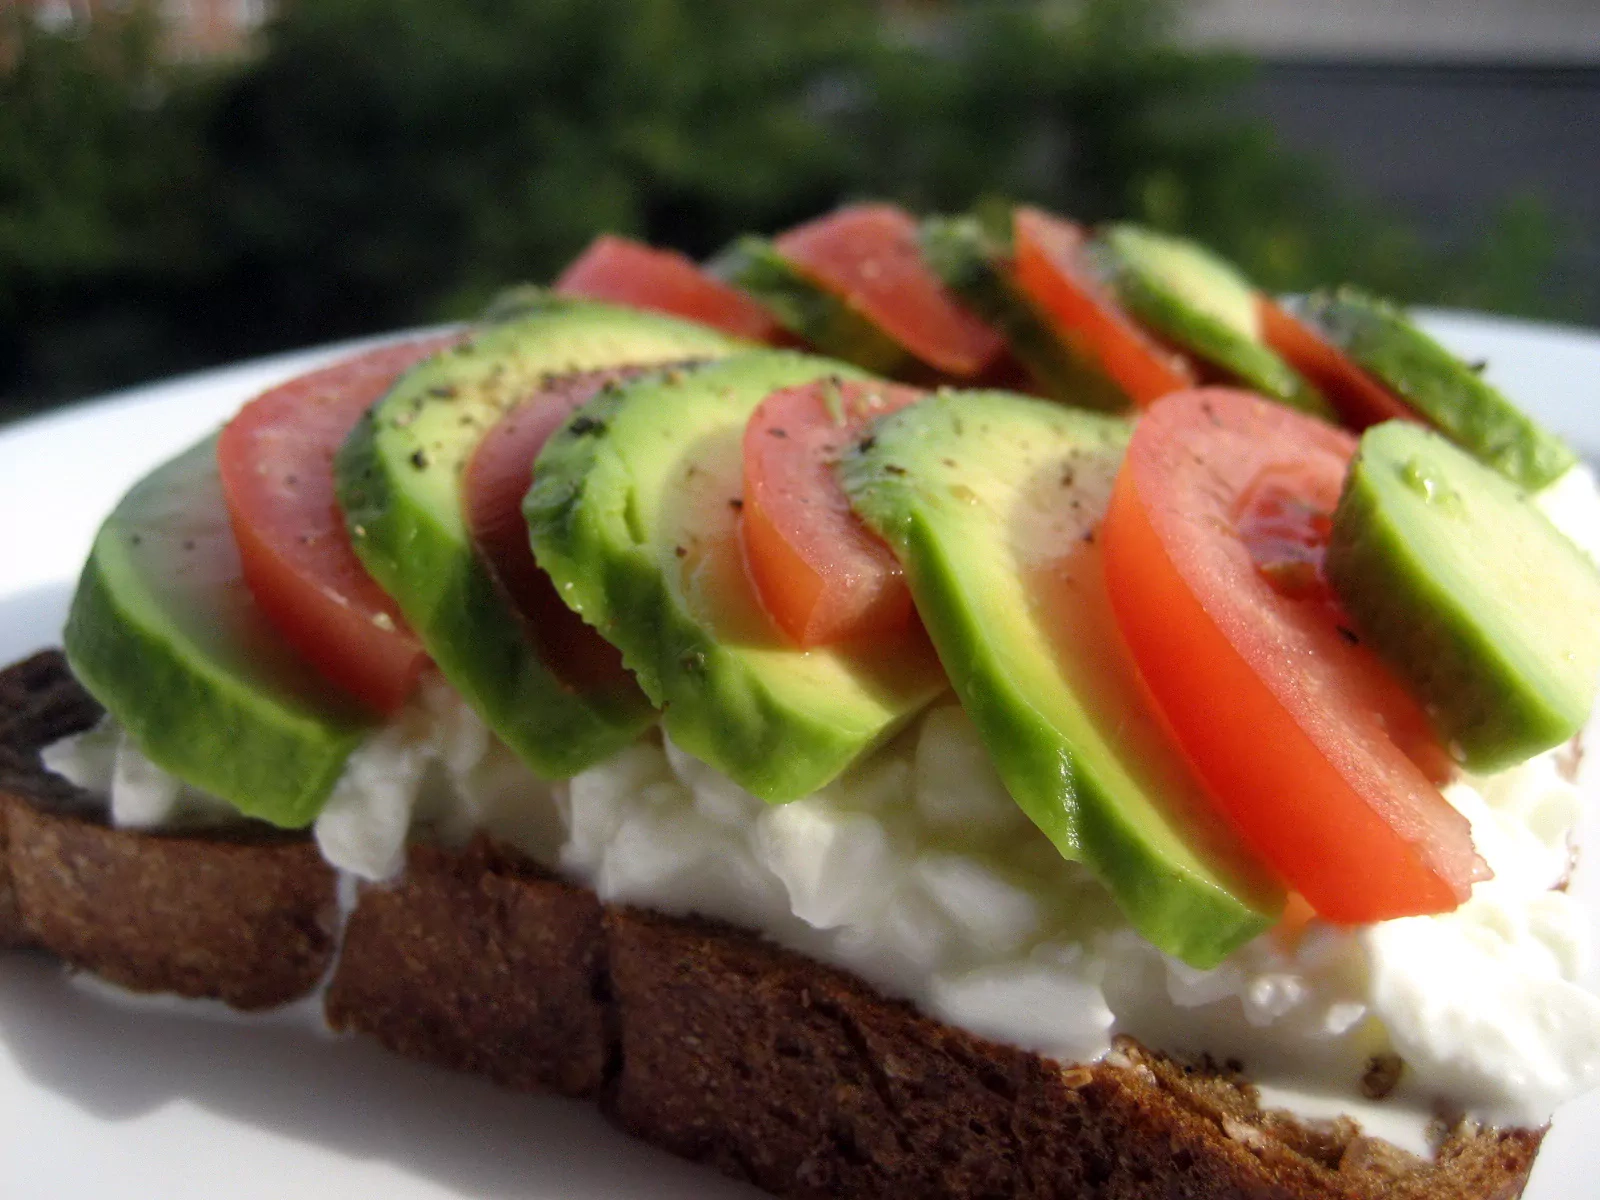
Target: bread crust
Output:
[
  {"x": 12, "y": 935},
  {"x": 479, "y": 961},
  {"x": 698, "y": 1037},
  {"x": 250, "y": 917},
  {"x": 806, "y": 1082}
]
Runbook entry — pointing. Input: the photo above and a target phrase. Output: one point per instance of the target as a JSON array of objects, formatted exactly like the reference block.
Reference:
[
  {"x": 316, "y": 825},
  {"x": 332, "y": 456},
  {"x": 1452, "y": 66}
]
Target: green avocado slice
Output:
[
  {"x": 165, "y": 634},
  {"x": 1471, "y": 595},
  {"x": 398, "y": 481},
  {"x": 1200, "y": 302},
  {"x": 991, "y": 501},
  {"x": 634, "y": 513},
  {"x": 817, "y": 317},
  {"x": 1442, "y": 389}
]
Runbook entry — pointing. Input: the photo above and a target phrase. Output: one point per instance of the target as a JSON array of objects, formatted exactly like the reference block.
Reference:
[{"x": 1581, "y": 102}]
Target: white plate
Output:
[{"x": 99, "y": 1100}]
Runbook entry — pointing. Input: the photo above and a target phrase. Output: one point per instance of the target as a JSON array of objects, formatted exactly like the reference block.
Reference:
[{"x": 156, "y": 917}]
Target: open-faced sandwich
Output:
[{"x": 958, "y": 709}]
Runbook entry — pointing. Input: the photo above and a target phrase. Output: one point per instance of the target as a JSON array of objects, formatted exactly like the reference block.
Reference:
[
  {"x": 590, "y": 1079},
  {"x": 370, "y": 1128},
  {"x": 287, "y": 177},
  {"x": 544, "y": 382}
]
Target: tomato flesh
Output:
[
  {"x": 1358, "y": 398},
  {"x": 276, "y": 462},
  {"x": 1051, "y": 271},
  {"x": 497, "y": 477},
  {"x": 821, "y": 574},
  {"x": 625, "y": 272},
  {"x": 868, "y": 255},
  {"x": 1293, "y": 728}
]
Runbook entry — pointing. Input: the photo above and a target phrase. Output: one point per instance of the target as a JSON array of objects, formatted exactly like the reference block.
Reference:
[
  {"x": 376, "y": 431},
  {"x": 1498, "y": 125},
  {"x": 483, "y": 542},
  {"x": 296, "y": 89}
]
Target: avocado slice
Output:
[
  {"x": 398, "y": 481},
  {"x": 165, "y": 634},
  {"x": 974, "y": 262},
  {"x": 1481, "y": 605},
  {"x": 1200, "y": 302},
  {"x": 1442, "y": 389},
  {"x": 816, "y": 316},
  {"x": 634, "y": 513},
  {"x": 991, "y": 502}
]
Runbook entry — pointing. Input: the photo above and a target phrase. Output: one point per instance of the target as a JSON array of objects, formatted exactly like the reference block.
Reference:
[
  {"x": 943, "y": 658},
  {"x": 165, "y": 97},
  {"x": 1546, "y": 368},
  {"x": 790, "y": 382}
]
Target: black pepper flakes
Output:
[
  {"x": 1382, "y": 1075},
  {"x": 1348, "y": 635},
  {"x": 419, "y": 459},
  {"x": 586, "y": 427}
]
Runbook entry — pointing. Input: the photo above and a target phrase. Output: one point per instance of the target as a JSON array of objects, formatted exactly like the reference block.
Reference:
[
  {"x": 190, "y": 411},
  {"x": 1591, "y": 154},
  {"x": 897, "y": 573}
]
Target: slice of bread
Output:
[{"x": 701, "y": 1038}]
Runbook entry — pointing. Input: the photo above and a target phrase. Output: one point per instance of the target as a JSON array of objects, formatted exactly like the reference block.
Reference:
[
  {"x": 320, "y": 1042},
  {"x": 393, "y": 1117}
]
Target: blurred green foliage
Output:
[{"x": 385, "y": 162}]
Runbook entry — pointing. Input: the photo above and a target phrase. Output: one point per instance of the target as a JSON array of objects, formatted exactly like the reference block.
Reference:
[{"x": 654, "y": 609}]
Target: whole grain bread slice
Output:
[{"x": 701, "y": 1038}]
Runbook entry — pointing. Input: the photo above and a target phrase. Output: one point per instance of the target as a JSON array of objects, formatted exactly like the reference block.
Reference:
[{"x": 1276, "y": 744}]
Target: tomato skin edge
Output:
[
  {"x": 1086, "y": 316},
  {"x": 817, "y": 570},
  {"x": 618, "y": 270},
  {"x": 1318, "y": 842},
  {"x": 347, "y": 629},
  {"x": 923, "y": 317},
  {"x": 496, "y": 479},
  {"x": 384, "y": 685},
  {"x": 1359, "y": 399}
]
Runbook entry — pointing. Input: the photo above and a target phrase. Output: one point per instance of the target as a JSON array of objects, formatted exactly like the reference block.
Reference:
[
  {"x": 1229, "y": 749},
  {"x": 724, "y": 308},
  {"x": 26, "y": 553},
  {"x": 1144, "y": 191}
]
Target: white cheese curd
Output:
[
  {"x": 433, "y": 765},
  {"x": 105, "y": 761},
  {"x": 916, "y": 872},
  {"x": 1572, "y": 505}
]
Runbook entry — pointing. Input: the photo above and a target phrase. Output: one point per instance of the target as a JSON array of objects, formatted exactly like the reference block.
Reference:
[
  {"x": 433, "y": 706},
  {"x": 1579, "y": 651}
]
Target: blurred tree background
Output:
[{"x": 378, "y": 163}]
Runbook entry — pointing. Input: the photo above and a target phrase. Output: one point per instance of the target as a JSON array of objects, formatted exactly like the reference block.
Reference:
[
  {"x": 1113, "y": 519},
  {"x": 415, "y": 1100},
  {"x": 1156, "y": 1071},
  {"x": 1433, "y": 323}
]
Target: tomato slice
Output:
[
  {"x": 868, "y": 255},
  {"x": 821, "y": 574},
  {"x": 1291, "y": 726},
  {"x": 276, "y": 462},
  {"x": 1358, "y": 398},
  {"x": 639, "y": 276},
  {"x": 1051, "y": 271},
  {"x": 497, "y": 477}
]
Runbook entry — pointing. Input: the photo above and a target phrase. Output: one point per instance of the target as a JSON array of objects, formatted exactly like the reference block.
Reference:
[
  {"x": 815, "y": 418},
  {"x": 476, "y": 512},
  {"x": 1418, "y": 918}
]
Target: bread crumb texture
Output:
[{"x": 695, "y": 1036}]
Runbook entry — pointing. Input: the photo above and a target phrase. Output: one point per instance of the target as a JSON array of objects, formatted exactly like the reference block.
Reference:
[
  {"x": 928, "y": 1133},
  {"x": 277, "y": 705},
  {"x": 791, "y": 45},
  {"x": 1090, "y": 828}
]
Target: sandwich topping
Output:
[{"x": 1108, "y": 710}]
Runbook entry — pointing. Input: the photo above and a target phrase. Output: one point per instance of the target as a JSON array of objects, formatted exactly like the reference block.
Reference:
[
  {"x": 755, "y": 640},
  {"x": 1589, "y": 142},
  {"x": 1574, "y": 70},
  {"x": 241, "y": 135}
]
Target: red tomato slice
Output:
[
  {"x": 821, "y": 574},
  {"x": 497, "y": 477},
  {"x": 869, "y": 257},
  {"x": 1051, "y": 271},
  {"x": 276, "y": 462},
  {"x": 1292, "y": 727},
  {"x": 625, "y": 272},
  {"x": 1358, "y": 398}
]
